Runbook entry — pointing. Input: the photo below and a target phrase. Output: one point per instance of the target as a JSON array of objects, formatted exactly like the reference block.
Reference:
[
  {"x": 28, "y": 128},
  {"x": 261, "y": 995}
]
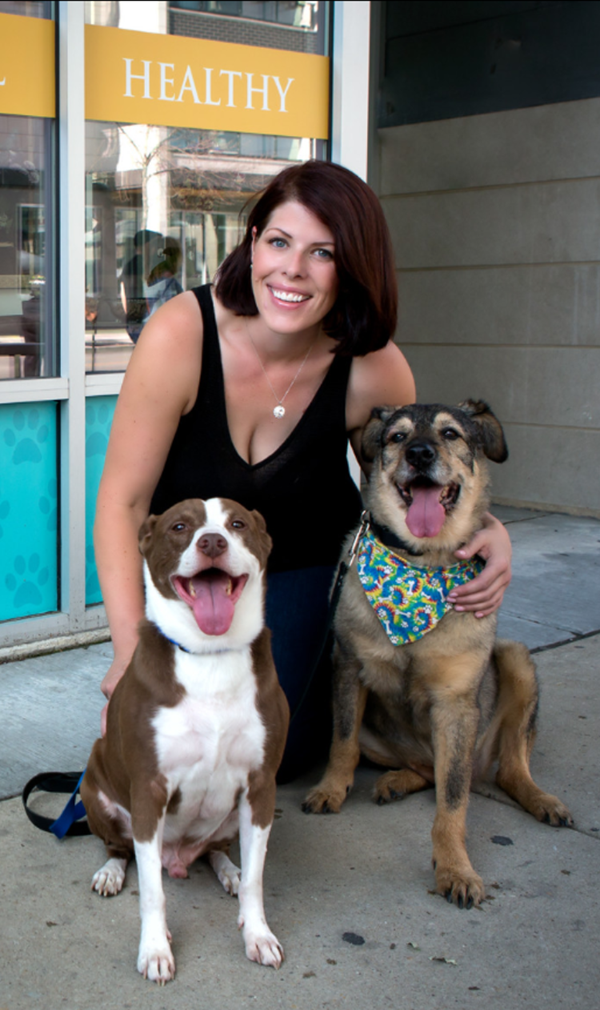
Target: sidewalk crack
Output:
[{"x": 566, "y": 641}]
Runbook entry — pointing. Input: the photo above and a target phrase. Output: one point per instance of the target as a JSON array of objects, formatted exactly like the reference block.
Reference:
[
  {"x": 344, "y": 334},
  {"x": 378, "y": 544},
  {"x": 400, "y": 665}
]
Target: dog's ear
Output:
[
  {"x": 267, "y": 543},
  {"x": 491, "y": 435},
  {"x": 259, "y": 520},
  {"x": 145, "y": 533},
  {"x": 372, "y": 432}
]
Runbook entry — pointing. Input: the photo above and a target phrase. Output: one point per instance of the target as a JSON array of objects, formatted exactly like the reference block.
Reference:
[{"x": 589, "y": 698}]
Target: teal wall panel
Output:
[
  {"x": 28, "y": 510},
  {"x": 99, "y": 412}
]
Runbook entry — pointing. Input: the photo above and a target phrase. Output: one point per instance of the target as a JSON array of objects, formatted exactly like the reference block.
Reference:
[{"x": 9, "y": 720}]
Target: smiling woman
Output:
[
  {"x": 294, "y": 279},
  {"x": 303, "y": 311},
  {"x": 346, "y": 212}
]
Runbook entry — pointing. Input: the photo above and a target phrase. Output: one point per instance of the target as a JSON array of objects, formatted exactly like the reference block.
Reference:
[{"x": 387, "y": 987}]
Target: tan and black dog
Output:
[{"x": 418, "y": 686}]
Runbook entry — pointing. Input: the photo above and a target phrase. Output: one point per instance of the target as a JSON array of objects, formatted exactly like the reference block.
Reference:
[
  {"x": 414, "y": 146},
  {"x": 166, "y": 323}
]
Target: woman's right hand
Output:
[{"x": 112, "y": 677}]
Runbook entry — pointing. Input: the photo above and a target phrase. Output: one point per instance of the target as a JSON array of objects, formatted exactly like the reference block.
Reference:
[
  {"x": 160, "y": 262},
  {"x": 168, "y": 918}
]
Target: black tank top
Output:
[{"x": 303, "y": 489}]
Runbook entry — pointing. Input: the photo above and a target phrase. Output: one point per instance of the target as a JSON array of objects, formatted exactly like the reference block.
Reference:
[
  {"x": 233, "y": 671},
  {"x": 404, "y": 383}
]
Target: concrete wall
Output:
[{"x": 496, "y": 227}]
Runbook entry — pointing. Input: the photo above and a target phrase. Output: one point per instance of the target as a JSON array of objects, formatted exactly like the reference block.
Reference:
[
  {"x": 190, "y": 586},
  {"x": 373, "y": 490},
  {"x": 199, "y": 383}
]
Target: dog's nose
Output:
[
  {"x": 212, "y": 544},
  {"x": 420, "y": 454}
]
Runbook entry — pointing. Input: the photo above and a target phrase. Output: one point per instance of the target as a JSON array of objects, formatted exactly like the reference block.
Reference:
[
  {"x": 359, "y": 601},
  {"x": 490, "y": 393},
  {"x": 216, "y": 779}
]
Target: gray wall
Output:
[{"x": 496, "y": 226}]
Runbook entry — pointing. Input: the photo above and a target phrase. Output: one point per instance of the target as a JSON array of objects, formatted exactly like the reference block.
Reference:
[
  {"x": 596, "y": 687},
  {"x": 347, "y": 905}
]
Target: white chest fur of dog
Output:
[
  {"x": 196, "y": 727},
  {"x": 206, "y": 744}
]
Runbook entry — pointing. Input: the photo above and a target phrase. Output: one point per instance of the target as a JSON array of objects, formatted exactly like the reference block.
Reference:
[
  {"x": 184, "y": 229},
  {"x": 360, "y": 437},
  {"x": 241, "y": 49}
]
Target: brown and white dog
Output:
[{"x": 196, "y": 727}]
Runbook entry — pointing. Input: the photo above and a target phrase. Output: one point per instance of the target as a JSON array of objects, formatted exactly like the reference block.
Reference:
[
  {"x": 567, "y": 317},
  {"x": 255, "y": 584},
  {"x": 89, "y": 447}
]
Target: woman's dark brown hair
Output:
[{"x": 364, "y": 316}]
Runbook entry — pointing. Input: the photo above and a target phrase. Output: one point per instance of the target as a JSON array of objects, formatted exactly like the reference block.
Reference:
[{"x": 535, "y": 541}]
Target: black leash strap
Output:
[{"x": 69, "y": 821}]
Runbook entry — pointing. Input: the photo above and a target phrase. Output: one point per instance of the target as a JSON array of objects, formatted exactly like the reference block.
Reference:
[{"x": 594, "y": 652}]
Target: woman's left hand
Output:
[{"x": 484, "y": 593}]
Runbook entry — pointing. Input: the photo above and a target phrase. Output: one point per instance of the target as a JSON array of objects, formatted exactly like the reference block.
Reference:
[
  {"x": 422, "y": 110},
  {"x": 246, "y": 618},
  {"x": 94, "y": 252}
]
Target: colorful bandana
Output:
[{"x": 408, "y": 600}]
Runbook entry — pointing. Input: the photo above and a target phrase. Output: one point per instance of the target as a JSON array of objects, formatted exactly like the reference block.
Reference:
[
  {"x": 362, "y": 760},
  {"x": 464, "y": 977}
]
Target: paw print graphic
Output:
[
  {"x": 4, "y": 510},
  {"x": 25, "y": 581},
  {"x": 26, "y": 435},
  {"x": 98, "y": 421},
  {"x": 47, "y": 505}
]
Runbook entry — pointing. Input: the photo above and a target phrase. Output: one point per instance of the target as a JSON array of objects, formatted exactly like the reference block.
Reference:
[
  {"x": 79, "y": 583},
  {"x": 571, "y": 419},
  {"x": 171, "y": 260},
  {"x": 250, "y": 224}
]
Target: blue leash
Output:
[
  {"x": 73, "y": 811},
  {"x": 69, "y": 822}
]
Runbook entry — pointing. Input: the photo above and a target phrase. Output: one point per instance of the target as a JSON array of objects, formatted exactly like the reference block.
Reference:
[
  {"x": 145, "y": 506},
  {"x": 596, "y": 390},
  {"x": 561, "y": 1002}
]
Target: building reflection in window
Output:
[
  {"x": 27, "y": 336},
  {"x": 26, "y": 282}
]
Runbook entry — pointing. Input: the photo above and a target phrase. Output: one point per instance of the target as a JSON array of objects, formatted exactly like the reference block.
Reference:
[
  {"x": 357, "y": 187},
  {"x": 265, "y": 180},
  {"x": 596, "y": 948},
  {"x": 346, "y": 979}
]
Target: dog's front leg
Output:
[
  {"x": 349, "y": 700},
  {"x": 255, "y": 826},
  {"x": 454, "y": 720},
  {"x": 155, "y": 960}
]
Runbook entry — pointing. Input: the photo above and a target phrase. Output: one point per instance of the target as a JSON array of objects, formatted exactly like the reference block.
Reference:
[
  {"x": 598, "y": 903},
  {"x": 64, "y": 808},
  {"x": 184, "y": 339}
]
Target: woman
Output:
[{"x": 250, "y": 391}]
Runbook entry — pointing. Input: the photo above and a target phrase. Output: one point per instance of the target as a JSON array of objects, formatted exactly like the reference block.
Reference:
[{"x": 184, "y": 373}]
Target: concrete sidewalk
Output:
[{"x": 349, "y": 896}]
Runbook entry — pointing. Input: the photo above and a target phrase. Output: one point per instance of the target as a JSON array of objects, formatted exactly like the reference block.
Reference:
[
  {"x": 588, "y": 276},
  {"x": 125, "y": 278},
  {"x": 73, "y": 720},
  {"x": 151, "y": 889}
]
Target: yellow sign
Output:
[
  {"x": 170, "y": 80},
  {"x": 26, "y": 66}
]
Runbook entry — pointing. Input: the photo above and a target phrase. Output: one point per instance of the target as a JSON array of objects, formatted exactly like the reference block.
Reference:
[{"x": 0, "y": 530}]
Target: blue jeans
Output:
[{"x": 297, "y": 609}]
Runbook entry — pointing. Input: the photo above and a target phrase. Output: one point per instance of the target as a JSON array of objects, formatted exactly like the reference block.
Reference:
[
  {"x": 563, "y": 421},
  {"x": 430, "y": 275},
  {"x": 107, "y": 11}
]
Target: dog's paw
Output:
[
  {"x": 264, "y": 948},
  {"x": 157, "y": 965},
  {"x": 550, "y": 810},
  {"x": 395, "y": 785},
  {"x": 108, "y": 880},
  {"x": 324, "y": 801},
  {"x": 464, "y": 888},
  {"x": 228, "y": 874}
]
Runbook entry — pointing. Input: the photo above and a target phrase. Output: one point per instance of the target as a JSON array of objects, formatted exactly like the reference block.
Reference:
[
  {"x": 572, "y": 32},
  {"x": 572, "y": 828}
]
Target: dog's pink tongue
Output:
[
  {"x": 213, "y": 607},
  {"x": 426, "y": 515}
]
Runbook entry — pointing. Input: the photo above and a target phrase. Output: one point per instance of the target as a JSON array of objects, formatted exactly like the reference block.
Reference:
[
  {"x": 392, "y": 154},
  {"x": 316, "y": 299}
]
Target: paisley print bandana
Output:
[{"x": 408, "y": 600}]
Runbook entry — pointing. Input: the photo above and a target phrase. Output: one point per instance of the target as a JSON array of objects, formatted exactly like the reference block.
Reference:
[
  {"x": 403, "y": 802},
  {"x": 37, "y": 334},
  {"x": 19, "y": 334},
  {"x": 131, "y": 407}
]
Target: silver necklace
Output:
[{"x": 279, "y": 409}]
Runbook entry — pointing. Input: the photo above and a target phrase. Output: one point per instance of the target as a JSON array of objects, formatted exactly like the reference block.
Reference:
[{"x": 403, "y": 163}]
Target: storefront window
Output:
[
  {"x": 304, "y": 15},
  {"x": 28, "y": 431},
  {"x": 27, "y": 344},
  {"x": 28, "y": 9},
  {"x": 163, "y": 203}
]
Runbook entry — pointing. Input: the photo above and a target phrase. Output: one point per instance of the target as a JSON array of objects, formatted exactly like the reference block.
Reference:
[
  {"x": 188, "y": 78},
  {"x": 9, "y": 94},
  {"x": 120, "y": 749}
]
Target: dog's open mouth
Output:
[
  {"x": 211, "y": 595},
  {"x": 427, "y": 505}
]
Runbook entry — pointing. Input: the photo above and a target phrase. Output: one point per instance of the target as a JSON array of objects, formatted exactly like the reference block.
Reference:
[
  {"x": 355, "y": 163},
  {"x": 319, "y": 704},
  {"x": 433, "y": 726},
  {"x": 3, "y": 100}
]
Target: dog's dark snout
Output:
[
  {"x": 212, "y": 544},
  {"x": 420, "y": 454}
]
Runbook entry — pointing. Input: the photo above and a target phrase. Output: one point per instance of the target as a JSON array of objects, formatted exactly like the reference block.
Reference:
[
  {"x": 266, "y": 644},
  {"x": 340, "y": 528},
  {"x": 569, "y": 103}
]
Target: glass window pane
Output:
[
  {"x": 299, "y": 25},
  {"x": 28, "y": 9},
  {"x": 99, "y": 412},
  {"x": 27, "y": 344},
  {"x": 28, "y": 509},
  {"x": 27, "y": 347}
]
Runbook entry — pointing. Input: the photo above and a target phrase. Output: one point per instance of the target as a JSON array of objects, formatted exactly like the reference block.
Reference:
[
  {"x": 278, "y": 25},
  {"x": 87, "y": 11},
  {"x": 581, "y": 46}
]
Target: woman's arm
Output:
[
  {"x": 160, "y": 385},
  {"x": 484, "y": 593}
]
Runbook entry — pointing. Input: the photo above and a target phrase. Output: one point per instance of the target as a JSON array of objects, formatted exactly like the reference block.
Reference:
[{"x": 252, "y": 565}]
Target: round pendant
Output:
[{"x": 278, "y": 411}]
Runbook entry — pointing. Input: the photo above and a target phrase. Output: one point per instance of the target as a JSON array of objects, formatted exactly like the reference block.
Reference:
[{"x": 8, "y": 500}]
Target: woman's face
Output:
[{"x": 294, "y": 278}]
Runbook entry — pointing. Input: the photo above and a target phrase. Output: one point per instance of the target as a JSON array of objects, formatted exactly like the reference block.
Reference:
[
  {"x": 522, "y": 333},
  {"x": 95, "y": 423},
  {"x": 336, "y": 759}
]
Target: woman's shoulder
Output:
[
  {"x": 177, "y": 318},
  {"x": 381, "y": 377},
  {"x": 168, "y": 354}
]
